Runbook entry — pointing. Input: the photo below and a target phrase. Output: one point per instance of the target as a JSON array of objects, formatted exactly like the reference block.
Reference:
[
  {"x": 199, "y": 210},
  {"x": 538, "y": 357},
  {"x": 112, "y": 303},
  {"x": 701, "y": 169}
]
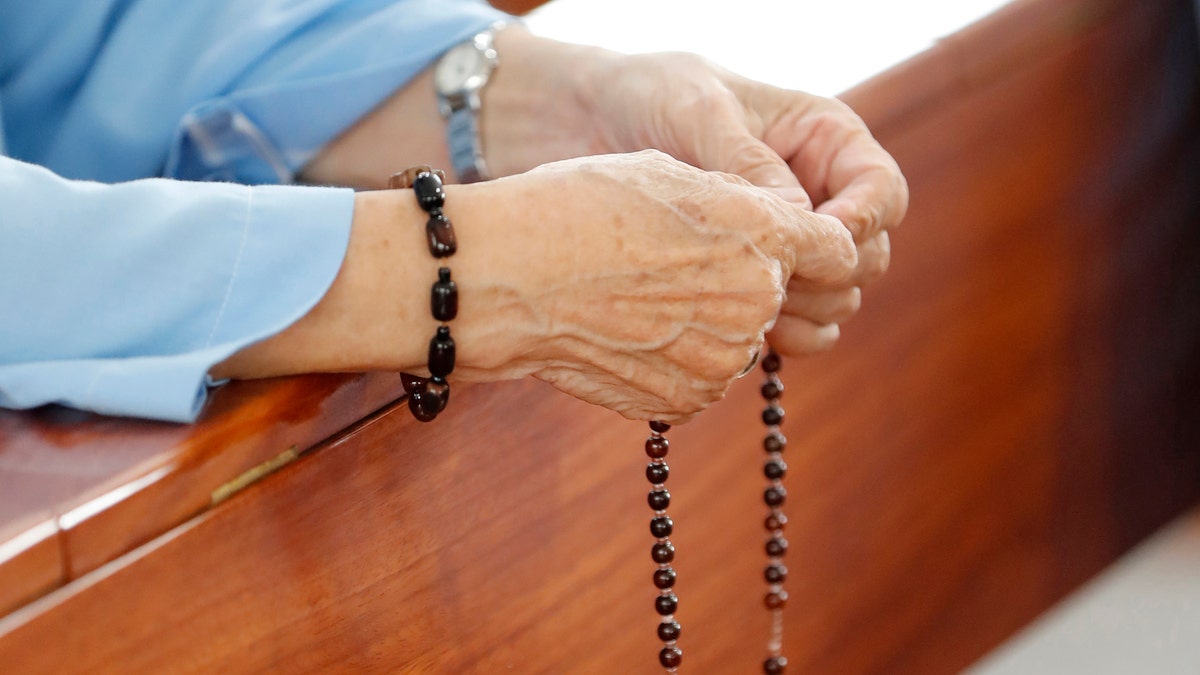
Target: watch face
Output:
[{"x": 457, "y": 67}]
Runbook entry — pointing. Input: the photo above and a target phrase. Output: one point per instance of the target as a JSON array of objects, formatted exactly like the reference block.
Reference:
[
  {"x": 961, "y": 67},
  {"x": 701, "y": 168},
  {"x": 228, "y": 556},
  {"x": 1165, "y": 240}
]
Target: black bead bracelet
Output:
[{"x": 427, "y": 396}]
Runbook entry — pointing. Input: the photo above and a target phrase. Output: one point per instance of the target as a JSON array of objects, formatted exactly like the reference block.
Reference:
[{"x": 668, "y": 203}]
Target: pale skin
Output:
[{"x": 640, "y": 281}]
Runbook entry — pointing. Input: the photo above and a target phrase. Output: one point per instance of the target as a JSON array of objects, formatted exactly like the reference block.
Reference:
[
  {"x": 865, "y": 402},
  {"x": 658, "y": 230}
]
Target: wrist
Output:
[{"x": 537, "y": 107}]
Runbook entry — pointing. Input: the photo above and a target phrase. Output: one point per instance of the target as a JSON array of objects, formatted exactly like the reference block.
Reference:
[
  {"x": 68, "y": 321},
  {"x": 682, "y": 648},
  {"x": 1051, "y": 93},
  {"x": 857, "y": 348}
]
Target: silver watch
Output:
[{"x": 458, "y": 78}]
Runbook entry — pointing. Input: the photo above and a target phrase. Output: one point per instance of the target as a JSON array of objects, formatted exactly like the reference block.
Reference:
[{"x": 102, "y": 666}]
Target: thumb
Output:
[{"x": 739, "y": 152}]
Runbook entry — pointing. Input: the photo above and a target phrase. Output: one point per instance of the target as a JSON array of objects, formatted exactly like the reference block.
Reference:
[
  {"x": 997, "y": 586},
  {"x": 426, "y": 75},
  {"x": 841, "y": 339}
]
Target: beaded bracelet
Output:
[{"x": 427, "y": 397}]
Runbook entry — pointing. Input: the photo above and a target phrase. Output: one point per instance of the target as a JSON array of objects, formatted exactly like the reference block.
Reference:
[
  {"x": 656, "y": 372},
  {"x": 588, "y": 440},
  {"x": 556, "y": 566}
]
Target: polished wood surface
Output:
[{"x": 1016, "y": 405}]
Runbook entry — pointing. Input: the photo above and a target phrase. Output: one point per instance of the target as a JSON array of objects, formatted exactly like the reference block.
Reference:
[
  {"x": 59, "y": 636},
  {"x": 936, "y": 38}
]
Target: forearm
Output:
[{"x": 376, "y": 314}]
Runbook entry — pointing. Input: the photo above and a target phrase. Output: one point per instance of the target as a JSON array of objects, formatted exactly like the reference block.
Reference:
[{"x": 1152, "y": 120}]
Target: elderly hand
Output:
[
  {"x": 805, "y": 147},
  {"x": 632, "y": 281},
  {"x": 645, "y": 285}
]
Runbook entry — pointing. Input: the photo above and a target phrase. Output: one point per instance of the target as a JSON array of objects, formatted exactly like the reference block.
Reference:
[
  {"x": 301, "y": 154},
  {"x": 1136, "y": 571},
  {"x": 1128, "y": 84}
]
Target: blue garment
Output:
[{"x": 120, "y": 298}]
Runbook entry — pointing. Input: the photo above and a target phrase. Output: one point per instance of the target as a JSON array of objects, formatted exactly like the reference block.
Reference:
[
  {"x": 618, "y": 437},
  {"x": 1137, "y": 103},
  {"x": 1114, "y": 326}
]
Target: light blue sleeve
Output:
[
  {"x": 241, "y": 90},
  {"x": 118, "y": 298}
]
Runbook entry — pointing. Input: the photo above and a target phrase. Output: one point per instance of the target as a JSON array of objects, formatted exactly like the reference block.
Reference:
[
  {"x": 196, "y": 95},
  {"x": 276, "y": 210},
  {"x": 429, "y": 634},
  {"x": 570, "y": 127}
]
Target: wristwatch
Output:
[{"x": 458, "y": 78}]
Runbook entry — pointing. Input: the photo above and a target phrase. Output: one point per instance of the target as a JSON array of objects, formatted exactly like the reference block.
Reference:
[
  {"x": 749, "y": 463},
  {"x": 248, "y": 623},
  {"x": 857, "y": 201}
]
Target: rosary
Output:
[
  {"x": 661, "y": 526},
  {"x": 427, "y": 397}
]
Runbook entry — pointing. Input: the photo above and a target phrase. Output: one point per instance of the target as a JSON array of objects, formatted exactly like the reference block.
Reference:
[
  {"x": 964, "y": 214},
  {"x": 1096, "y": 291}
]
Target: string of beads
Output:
[
  {"x": 663, "y": 551},
  {"x": 774, "y": 496}
]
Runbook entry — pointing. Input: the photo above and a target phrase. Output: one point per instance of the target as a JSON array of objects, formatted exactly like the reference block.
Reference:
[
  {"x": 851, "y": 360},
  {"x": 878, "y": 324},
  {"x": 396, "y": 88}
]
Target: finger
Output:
[
  {"x": 794, "y": 336},
  {"x": 822, "y": 248},
  {"x": 874, "y": 258},
  {"x": 868, "y": 192},
  {"x": 823, "y": 307}
]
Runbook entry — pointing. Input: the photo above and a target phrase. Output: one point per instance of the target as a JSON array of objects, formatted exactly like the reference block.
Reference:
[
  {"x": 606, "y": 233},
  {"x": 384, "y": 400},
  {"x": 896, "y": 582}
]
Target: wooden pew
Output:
[{"x": 1015, "y": 406}]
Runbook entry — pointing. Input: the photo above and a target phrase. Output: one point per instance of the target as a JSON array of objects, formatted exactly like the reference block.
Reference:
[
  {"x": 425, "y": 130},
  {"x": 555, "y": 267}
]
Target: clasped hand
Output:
[{"x": 682, "y": 215}]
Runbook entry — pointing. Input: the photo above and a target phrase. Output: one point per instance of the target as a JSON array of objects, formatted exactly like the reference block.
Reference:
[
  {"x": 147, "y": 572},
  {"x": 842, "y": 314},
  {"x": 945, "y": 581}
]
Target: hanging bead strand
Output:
[
  {"x": 663, "y": 551},
  {"x": 774, "y": 469}
]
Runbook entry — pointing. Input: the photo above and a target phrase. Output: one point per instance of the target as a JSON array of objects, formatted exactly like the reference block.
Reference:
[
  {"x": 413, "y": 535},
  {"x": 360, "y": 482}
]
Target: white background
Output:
[{"x": 821, "y": 46}]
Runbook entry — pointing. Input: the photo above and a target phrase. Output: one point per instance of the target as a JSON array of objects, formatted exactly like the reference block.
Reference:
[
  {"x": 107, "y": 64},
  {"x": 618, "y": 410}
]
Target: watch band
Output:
[{"x": 466, "y": 152}]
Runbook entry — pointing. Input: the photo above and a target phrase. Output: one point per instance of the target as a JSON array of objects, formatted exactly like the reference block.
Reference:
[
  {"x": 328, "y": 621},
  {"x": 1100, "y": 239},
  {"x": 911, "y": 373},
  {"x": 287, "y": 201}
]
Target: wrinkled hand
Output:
[
  {"x": 649, "y": 284},
  {"x": 808, "y": 147}
]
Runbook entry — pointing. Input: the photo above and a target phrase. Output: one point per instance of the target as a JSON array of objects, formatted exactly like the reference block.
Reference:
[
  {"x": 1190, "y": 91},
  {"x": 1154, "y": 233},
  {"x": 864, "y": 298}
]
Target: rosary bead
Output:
[
  {"x": 663, "y": 552},
  {"x": 771, "y": 362},
  {"x": 444, "y": 300},
  {"x": 659, "y": 500},
  {"x": 775, "y": 574},
  {"x": 656, "y": 447},
  {"x": 426, "y": 397},
  {"x": 660, "y": 427},
  {"x": 772, "y": 389},
  {"x": 776, "y": 547},
  {"x": 772, "y": 415},
  {"x": 439, "y": 231},
  {"x": 428, "y": 189},
  {"x": 668, "y": 631},
  {"x": 775, "y": 469},
  {"x": 775, "y": 495},
  {"x": 441, "y": 353},
  {"x": 657, "y": 473},
  {"x": 775, "y": 600},
  {"x": 661, "y": 527},
  {"x": 774, "y": 665},
  {"x": 774, "y": 442},
  {"x": 666, "y": 604},
  {"x": 775, "y": 520},
  {"x": 664, "y": 578},
  {"x": 670, "y": 657}
]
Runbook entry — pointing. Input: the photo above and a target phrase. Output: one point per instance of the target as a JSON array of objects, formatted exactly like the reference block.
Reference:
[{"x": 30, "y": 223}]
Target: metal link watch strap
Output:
[{"x": 466, "y": 152}]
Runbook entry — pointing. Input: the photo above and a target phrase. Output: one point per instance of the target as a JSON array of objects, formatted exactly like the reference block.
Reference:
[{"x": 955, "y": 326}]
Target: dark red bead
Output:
[
  {"x": 776, "y": 600},
  {"x": 771, "y": 363},
  {"x": 663, "y": 552},
  {"x": 775, "y": 469},
  {"x": 659, "y": 500},
  {"x": 670, "y": 657},
  {"x": 664, "y": 578},
  {"x": 440, "y": 233},
  {"x": 669, "y": 631},
  {"x": 775, "y": 442},
  {"x": 441, "y": 353},
  {"x": 444, "y": 296},
  {"x": 775, "y": 574},
  {"x": 775, "y": 520},
  {"x": 774, "y": 665},
  {"x": 428, "y": 189},
  {"x": 426, "y": 396},
  {"x": 775, "y": 495},
  {"x": 772, "y": 415},
  {"x": 776, "y": 547},
  {"x": 661, "y": 527},
  {"x": 657, "y": 472},
  {"x": 666, "y": 604},
  {"x": 656, "y": 447},
  {"x": 772, "y": 389},
  {"x": 660, "y": 427}
]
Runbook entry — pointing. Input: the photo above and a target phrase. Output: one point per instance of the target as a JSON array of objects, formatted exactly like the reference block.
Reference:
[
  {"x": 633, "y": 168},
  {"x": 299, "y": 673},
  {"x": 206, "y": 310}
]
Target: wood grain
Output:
[{"x": 1015, "y": 406}]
